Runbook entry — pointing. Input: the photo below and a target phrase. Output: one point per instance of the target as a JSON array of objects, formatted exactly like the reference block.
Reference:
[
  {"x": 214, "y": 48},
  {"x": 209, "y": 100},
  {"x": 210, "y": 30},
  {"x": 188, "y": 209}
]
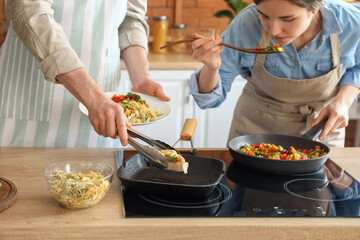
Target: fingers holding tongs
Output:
[{"x": 151, "y": 153}]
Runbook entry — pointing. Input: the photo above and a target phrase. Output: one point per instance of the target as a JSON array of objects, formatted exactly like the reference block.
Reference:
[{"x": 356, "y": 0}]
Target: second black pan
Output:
[
  {"x": 285, "y": 167},
  {"x": 203, "y": 175}
]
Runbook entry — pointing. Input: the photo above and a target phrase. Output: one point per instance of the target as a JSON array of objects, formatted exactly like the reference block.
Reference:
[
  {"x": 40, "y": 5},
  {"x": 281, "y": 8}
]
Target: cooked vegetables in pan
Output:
[
  {"x": 268, "y": 150},
  {"x": 275, "y": 47},
  {"x": 135, "y": 108},
  {"x": 176, "y": 162}
]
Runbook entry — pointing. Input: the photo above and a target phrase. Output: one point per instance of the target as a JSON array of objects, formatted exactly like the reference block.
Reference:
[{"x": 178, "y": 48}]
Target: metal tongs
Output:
[{"x": 151, "y": 152}]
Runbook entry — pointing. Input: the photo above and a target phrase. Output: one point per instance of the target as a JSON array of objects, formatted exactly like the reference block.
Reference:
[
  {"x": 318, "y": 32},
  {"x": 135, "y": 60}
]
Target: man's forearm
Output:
[
  {"x": 137, "y": 63},
  {"x": 81, "y": 86}
]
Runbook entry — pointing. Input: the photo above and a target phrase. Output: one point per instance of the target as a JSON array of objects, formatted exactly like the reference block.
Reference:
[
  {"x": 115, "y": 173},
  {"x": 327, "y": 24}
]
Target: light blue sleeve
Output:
[
  {"x": 350, "y": 46},
  {"x": 205, "y": 100},
  {"x": 352, "y": 75},
  {"x": 242, "y": 31}
]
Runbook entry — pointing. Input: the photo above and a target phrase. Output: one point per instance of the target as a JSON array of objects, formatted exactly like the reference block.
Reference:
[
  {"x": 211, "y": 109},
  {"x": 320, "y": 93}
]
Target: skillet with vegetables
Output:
[{"x": 271, "y": 151}]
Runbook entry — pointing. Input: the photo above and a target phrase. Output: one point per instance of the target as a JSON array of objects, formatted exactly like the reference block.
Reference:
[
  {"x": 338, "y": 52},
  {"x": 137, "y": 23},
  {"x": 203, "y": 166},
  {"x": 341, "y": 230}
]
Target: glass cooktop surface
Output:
[{"x": 243, "y": 192}]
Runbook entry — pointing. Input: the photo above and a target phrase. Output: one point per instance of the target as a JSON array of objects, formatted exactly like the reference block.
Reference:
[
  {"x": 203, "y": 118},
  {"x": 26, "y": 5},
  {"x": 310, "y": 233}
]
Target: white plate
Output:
[{"x": 154, "y": 103}]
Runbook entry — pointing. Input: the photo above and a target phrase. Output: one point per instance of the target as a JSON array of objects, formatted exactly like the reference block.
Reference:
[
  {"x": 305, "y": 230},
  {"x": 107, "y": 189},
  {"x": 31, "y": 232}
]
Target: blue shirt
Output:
[{"x": 312, "y": 61}]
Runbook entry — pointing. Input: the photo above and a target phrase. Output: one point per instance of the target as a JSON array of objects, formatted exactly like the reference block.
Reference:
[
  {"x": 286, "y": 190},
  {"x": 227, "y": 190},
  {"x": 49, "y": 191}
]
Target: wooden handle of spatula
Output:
[{"x": 188, "y": 129}]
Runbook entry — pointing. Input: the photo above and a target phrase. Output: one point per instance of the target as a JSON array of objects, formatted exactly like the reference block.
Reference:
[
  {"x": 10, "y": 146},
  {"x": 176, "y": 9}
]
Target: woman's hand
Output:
[
  {"x": 207, "y": 50},
  {"x": 337, "y": 112},
  {"x": 338, "y": 117}
]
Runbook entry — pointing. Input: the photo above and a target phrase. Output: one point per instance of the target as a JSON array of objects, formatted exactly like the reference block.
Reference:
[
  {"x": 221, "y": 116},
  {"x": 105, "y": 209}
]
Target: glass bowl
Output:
[{"x": 78, "y": 184}]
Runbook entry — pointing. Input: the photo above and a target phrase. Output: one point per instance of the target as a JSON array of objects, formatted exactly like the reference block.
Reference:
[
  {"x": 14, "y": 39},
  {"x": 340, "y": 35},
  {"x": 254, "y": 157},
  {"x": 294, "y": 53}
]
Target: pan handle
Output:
[
  {"x": 187, "y": 133},
  {"x": 188, "y": 129},
  {"x": 315, "y": 131}
]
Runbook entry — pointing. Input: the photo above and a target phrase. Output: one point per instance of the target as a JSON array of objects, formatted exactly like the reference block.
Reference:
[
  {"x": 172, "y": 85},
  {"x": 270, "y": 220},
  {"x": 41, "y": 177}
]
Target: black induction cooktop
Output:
[{"x": 245, "y": 192}]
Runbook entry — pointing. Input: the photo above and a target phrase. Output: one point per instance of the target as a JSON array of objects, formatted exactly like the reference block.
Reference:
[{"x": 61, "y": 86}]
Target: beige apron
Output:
[{"x": 285, "y": 106}]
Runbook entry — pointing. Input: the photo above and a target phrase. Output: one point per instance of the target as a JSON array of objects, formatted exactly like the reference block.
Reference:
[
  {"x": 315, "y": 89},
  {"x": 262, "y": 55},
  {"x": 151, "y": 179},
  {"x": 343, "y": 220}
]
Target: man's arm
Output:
[
  {"x": 33, "y": 22},
  {"x": 36, "y": 27},
  {"x": 134, "y": 47}
]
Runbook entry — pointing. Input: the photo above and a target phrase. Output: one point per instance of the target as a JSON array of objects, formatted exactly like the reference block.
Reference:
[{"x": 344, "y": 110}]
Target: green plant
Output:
[{"x": 235, "y": 5}]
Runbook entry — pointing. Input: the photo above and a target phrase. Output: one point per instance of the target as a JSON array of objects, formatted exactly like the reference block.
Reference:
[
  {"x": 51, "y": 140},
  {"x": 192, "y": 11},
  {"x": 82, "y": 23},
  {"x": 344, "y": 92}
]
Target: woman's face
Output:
[{"x": 284, "y": 20}]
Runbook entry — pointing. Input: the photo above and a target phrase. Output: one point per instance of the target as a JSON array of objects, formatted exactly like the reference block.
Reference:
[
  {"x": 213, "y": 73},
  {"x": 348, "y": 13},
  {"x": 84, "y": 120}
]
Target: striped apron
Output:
[{"x": 37, "y": 113}]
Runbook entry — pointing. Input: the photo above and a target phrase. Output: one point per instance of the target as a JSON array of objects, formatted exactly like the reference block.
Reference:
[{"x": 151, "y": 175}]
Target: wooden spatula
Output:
[{"x": 248, "y": 50}]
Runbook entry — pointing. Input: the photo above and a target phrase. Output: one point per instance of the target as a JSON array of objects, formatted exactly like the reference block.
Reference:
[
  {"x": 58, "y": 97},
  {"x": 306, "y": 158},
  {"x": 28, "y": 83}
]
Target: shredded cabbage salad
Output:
[{"x": 78, "y": 190}]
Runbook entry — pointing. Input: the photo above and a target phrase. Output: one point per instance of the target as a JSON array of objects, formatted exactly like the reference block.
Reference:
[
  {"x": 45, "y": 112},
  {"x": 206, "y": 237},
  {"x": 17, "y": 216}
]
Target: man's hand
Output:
[
  {"x": 151, "y": 88},
  {"x": 138, "y": 68},
  {"x": 106, "y": 117}
]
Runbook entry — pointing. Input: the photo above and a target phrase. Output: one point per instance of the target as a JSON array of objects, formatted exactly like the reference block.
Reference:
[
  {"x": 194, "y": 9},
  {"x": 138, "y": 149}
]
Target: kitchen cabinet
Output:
[{"x": 213, "y": 124}]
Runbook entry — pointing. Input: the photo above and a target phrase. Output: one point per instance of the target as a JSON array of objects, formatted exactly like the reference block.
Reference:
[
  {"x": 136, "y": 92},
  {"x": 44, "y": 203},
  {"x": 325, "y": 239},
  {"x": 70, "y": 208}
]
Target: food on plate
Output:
[
  {"x": 176, "y": 162},
  {"x": 275, "y": 48},
  {"x": 78, "y": 190},
  {"x": 272, "y": 151},
  {"x": 135, "y": 108}
]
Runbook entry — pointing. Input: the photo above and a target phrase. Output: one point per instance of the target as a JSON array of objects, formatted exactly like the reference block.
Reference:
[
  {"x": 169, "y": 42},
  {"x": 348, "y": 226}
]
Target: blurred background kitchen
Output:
[{"x": 172, "y": 20}]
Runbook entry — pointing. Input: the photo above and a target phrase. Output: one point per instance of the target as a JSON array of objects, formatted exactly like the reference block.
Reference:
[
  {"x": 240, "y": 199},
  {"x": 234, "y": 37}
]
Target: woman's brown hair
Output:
[{"x": 308, "y": 4}]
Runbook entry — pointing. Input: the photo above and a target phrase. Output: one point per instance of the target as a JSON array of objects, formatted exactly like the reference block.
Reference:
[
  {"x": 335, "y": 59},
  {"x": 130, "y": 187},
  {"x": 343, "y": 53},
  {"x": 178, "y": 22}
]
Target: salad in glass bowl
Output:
[{"x": 78, "y": 184}]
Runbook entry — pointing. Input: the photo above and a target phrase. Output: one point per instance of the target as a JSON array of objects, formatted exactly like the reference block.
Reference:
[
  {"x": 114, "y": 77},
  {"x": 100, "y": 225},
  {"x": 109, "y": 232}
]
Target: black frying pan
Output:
[
  {"x": 142, "y": 177},
  {"x": 285, "y": 167}
]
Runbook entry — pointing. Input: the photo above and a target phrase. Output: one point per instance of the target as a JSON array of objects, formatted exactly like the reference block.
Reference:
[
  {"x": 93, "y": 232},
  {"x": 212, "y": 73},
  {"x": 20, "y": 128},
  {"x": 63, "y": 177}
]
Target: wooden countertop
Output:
[
  {"x": 36, "y": 215},
  {"x": 171, "y": 61}
]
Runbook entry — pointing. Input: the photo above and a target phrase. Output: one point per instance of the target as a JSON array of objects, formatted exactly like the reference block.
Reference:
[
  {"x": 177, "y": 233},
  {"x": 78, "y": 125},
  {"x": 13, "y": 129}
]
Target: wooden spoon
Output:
[{"x": 248, "y": 50}]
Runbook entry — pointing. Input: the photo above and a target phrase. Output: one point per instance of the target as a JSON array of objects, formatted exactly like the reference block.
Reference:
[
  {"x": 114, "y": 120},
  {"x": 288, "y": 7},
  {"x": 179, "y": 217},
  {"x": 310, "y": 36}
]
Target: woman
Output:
[
  {"x": 317, "y": 77},
  {"x": 78, "y": 45}
]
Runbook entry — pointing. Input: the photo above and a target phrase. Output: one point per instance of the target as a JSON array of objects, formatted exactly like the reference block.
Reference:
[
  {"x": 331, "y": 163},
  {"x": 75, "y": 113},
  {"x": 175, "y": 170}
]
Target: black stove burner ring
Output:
[
  {"x": 225, "y": 192},
  {"x": 350, "y": 196},
  {"x": 216, "y": 191}
]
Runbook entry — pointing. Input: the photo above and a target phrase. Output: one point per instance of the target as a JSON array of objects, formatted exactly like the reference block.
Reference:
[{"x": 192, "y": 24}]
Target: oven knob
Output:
[
  {"x": 320, "y": 210},
  {"x": 279, "y": 210},
  {"x": 257, "y": 210}
]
